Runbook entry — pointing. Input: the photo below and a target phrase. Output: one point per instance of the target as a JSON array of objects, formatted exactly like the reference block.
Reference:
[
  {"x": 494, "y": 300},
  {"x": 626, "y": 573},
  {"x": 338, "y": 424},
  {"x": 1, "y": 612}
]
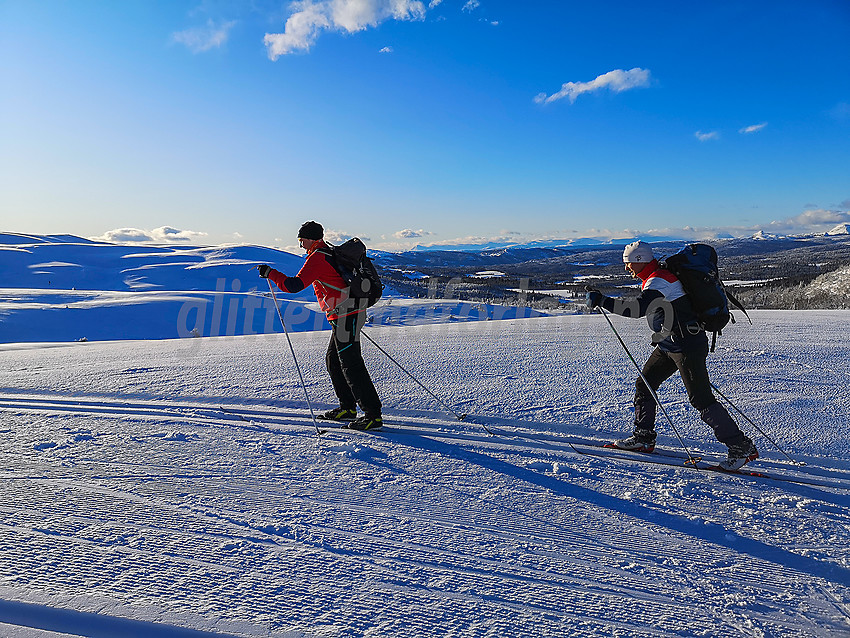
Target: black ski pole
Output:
[
  {"x": 459, "y": 417},
  {"x": 750, "y": 421},
  {"x": 295, "y": 359},
  {"x": 691, "y": 459}
]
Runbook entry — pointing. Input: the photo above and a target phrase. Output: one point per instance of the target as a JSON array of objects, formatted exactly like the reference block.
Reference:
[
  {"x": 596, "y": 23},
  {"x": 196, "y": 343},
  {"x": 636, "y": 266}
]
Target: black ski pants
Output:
[
  {"x": 660, "y": 366},
  {"x": 346, "y": 367}
]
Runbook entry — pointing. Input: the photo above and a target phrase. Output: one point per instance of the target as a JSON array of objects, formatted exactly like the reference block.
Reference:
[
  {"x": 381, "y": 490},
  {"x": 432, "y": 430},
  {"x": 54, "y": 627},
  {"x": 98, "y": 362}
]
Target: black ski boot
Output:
[
  {"x": 339, "y": 414},
  {"x": 367, "y": 423}
]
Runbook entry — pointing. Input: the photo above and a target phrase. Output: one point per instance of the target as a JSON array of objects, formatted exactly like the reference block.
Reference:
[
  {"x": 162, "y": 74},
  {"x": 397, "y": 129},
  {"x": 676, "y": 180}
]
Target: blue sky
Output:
[{"x": 411, "y": 122}]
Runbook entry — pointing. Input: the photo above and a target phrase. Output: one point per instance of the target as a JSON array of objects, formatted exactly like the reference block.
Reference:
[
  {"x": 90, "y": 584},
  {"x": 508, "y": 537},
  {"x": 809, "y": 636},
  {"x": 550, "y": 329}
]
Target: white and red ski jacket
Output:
[{"x": 660, "y": 284}]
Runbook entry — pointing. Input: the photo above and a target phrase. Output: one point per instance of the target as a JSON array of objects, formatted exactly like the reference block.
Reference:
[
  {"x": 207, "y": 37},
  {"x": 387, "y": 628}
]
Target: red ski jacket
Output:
[{"x": 330, "y": 287}]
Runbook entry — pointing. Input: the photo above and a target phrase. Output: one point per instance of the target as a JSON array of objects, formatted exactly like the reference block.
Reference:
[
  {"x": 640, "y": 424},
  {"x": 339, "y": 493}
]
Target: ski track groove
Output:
[
  {"x": 533, "y": 588},
  {"x": 292, "y": 421}
]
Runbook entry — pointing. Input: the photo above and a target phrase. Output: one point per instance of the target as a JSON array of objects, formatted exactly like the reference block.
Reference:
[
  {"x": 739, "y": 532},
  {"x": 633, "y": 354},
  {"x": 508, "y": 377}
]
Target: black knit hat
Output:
[{"x": 311, "y": 230}]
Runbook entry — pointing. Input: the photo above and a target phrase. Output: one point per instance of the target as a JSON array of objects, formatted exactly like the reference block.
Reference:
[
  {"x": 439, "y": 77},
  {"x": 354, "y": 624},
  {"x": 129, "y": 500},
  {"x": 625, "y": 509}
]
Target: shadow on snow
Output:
[{"x": 715, "y": 533}]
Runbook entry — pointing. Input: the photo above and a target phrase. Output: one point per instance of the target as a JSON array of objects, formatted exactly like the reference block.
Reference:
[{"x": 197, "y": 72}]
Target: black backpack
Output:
[
  {"x": 357, "y": 270},
  {"x": 696, "y": 267}
]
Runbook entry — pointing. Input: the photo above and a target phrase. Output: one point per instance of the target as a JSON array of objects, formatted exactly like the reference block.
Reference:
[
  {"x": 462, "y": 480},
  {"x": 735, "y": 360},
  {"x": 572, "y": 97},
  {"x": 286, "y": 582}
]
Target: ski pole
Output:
[
  {"x": 459, "y": 417},
  {"x": 750, "y": 421},
  {"x": 691, "y": 459},
  {"x": 294, "y": 358}
]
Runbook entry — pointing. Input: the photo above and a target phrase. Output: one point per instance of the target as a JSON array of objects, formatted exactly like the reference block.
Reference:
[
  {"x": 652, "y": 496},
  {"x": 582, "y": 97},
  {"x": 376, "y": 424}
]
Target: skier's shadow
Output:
[{"x": 715, "y": 533}]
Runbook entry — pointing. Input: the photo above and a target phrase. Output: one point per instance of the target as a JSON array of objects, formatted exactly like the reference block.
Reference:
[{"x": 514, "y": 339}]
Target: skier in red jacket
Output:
[{"x": 344, "y": 359}]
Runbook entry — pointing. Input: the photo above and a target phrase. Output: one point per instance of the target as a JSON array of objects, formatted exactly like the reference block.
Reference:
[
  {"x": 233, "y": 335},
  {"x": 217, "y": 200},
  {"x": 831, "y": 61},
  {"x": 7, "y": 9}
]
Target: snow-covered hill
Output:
[
  {"x": 63, "y": 262},
  {"x": 841, "y": 229},
  {"x": 835, "y": 283},
  {"x": 132, "y": 505},
  {"x": 64, "y": 288}
]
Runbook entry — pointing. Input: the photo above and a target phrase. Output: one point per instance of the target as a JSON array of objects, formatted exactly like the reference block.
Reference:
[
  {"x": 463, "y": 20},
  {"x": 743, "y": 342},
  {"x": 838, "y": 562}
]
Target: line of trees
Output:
[{"x": 786, "y": 293}]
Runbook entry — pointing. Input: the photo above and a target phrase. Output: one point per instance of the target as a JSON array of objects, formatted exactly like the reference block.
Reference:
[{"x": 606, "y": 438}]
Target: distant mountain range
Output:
[
  {"x": 69, "y": 262},
  {"x": 66, "y": 288},
  {"x": 541, "y": 243},
  {"x": 593, "y": 242},
  {"x": 557, "y": 258}
]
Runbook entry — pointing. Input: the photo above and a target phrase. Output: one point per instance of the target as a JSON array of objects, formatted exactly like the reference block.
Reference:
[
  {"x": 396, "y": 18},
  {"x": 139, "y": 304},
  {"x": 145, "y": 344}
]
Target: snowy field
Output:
[{"x": 133, "y": 506}]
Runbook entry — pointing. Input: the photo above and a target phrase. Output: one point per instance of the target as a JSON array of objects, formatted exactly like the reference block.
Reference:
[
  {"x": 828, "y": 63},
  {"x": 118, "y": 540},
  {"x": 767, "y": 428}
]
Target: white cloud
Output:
[
  {"x": 470, "y": 239},
  {"x": 337, "y": 237},
  {"x": 434, "y": 3},
  {"x": 705, "y": 137},
  {"x": 471, "y": 5},
  {"x": 200, "y": 39},
  {"x": 616, "y": 81},
  {"x": 409, "y": 233},
  {"x": 124, "y": 236},
  {"x": 755, "y": 128},
  {"x": 310, "y": 18},
  {"x": 811, "y": 221},
  {"x": 168, "y": 234},
  {"x": 386, "y": 50},
  {"x": 164, "y": 234}
]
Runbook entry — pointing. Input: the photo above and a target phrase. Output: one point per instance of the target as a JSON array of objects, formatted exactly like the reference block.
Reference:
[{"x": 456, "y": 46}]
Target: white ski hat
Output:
[{"x": 638, "y": 252}]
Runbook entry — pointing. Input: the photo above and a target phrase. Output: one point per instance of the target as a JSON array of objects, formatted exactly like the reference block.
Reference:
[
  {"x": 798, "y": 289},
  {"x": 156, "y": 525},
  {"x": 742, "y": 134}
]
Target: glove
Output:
[
  {"x": 264, "y": 270},
  {"x": 593, "y": 299}
]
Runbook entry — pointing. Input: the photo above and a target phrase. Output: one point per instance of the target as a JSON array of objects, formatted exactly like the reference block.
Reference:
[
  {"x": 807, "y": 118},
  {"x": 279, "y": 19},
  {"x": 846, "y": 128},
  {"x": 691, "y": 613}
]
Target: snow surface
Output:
[{"x": 133, "y": 506}]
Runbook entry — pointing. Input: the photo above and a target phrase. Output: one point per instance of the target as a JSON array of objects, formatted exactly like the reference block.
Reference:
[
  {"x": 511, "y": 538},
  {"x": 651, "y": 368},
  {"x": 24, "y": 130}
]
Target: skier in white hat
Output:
[{"x": 685, "y": 349}]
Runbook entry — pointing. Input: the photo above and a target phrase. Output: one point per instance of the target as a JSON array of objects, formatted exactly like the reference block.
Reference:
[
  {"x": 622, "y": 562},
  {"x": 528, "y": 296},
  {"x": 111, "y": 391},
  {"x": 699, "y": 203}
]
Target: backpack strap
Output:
[
  {"x": 738, "y": 305},
  {"x": 327, "y": 253},
  {"x": 331, "y": 257},
  {"x": 333, "y": 262}
]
